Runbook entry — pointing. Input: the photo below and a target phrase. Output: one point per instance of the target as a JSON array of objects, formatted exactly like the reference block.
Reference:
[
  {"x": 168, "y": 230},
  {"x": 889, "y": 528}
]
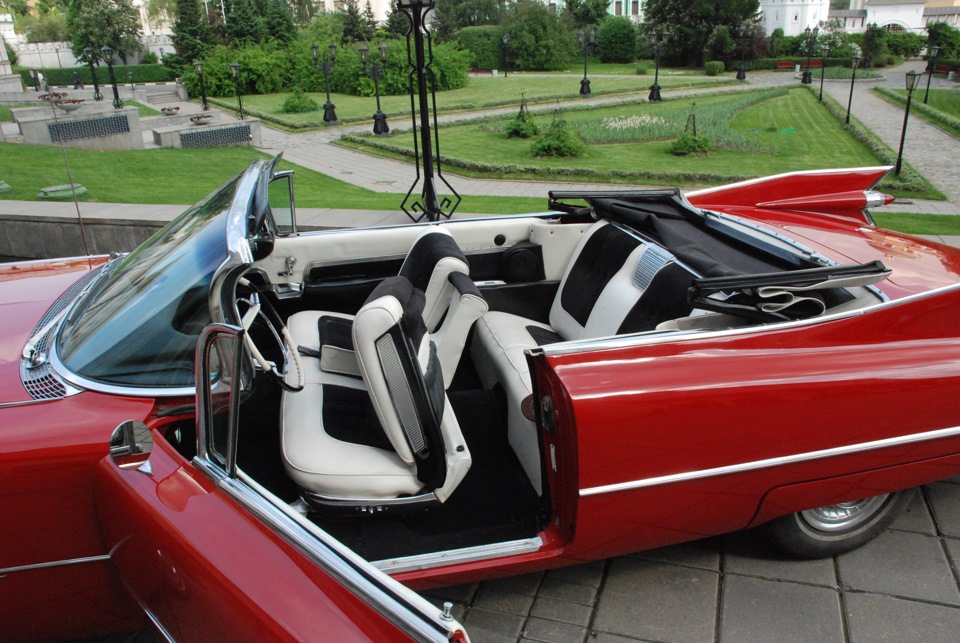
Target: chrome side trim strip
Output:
[
  {"x": 402, "y": 606},
  {"x": 55, "y": 563},
  {"x": 454, "y": 556},
  {"x": 159, "y": 626},
  {"x": 649, "y": 337},
  {"x": 771, "y": 462}
]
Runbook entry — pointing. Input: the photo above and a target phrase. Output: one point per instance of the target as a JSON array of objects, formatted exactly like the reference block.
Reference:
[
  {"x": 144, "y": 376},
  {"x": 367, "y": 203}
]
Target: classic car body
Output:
[{"x": 645, "y": 369}]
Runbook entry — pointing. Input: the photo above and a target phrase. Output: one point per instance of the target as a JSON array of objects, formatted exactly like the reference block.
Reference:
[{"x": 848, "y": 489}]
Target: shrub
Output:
[
  {"x": 688, "y": 144},
  {"x": 642, "y": 70},
  {"x": 714, "y": 68},
  {"x": 149, "y": 58},
  {"x": 298, "y": 103},
  {"x": 450, "y": 67},
  {"x": 484, "y": 43},
  {"x": 64, "y": 76},
  {"x": 559, "y": 141},
  {"x": 523, "y": 125},
  {"x": 617, "y": 40}
]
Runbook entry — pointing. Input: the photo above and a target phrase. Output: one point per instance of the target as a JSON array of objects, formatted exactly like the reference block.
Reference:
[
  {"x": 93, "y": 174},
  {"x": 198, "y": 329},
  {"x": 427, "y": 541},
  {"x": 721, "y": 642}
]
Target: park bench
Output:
[
  {"x": 784, "y": 65},
  {"x": 943, "y": 69}
]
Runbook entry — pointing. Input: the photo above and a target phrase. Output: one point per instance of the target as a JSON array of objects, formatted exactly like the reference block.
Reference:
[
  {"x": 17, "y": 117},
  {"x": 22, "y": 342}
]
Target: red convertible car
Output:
[{"x": 246, "y": 432}]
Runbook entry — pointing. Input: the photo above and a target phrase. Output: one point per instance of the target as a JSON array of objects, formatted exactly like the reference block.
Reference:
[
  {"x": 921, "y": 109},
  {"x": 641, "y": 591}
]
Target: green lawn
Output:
[
  {"x": 6, "y": 111},
  {"x": 481, "y": 91},
  {"x": 793, "y": 131},
  {"x": 941, "y": 224},
  {"x": 941, "y": 110},
  {"x": 178, "y": 176}
]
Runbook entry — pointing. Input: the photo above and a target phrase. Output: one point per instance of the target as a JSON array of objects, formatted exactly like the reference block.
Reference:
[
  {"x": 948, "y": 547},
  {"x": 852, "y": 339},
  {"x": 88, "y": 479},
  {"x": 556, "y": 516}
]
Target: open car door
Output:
[{"x": 209, "y": 555}]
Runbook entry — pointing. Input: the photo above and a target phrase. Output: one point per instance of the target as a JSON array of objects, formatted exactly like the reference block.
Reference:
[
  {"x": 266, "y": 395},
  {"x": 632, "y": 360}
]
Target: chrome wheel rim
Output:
[{"x": 844, "y": 516}]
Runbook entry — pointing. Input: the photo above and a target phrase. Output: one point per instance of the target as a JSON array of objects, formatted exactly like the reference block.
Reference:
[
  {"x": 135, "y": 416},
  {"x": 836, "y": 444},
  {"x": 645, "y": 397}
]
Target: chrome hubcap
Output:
[{"x": 845, "y": 515}]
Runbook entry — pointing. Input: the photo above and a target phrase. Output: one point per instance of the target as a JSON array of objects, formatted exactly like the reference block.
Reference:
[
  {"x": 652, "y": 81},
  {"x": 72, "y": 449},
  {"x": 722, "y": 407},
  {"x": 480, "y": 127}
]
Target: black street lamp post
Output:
[
  {"x": 506, "y": 51},
  {"x": 659, "y": 40},
  {"x": 933, "y": 65},
  {"x": 329, "y": 109},
  {"x": 130, "y": 80},
  {"x": 380, "y": 127},
  {"x": 807, "y": 78},
  {"x": 586, "y": 39},
  {"x": 89, "y": 53},
  {"x": 36, "y": 80},
  {"x": 203, "y": 85},
  {"x": 235, "y": 70},
  {"x": 108, "y": 57},
  {"x": 742, "y": 69},
  {"x": 853, "y": 78},
  {"x": 823, "y": 65},
  {"x": 57, "y": 49},
  {"x": 426, "y": 148},
  {"x": 911, "y": 78}
]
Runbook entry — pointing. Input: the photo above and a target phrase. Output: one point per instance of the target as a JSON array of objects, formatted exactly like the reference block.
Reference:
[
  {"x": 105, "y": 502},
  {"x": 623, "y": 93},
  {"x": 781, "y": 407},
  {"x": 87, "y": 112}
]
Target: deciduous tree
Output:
[
  {"x": 96, "y": 23},
  {"x": 690, "y": 23}
]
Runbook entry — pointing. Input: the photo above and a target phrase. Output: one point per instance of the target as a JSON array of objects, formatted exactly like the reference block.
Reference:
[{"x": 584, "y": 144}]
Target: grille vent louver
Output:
[
  {"x": 40, "y": 381},
  {"x": 651, "y": 261}
]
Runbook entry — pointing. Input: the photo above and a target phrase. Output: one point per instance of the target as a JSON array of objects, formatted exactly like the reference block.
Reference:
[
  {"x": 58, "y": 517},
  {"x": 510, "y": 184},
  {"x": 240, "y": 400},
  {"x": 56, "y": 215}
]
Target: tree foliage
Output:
[
  {"x": 397, "y": 23},
  {"x": 617, "y": 40},
  {"x": 191, "y": 34},
  {"x": 586, "y": 12},
  {"x": 354, "y": 27},
  {"x": 538, "y": 39},
  {"x": 451, "y": 16},
  {"x": 945, "y": 37},
  {"x": 874, "y": 46},
  {"x": 278, "y": 22},
  {"x": 690, "y": 23},
  {"x": 244, "y": 24},
  {"x": 48, "y": 27},
  {"x": 98, "y": 23}
]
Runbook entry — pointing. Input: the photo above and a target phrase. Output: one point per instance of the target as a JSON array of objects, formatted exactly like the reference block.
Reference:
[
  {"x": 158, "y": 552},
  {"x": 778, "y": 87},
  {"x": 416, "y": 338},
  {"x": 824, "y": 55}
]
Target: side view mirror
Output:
[{"x": 130, "y": 446}]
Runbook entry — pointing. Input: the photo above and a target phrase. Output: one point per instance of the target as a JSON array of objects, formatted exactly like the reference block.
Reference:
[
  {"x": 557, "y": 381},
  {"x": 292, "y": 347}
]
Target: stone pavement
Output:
[{"x": 901, "y": 587}]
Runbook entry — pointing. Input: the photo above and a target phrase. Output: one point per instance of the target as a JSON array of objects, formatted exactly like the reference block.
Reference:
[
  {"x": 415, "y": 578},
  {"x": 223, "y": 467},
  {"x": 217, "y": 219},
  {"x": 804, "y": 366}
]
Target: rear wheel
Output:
[{"x": 835, "y": 529}]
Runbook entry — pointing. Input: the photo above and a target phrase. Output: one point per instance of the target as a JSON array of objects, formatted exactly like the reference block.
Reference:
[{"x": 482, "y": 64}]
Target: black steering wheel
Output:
[{"x": 260, "y": 306}]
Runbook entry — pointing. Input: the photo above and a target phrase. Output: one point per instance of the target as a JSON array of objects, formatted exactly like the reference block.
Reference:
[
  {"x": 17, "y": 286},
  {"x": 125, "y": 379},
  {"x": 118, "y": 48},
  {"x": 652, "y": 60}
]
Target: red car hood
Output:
[{"x": 26, "y": 292}]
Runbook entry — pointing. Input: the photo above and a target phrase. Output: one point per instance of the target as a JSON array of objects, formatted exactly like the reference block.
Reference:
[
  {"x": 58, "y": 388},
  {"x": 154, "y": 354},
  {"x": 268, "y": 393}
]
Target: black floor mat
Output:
[{"x": 494, "y": 503}]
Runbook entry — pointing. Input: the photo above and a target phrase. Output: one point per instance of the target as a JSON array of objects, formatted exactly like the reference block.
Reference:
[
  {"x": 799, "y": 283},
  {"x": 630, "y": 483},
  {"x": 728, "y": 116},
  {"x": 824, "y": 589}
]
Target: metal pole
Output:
[
  {"x": 97, "y": 96},
  {"x": 933, "y": 66},
  {"x": 903, "y": 132},
  {"x": 107, "y": 55},
  {"x": 655, "y": 87},
  {"x": 853, "y": 79},
  {"x": 823, "y": 66},
  {"x": 585, "y": 83}
]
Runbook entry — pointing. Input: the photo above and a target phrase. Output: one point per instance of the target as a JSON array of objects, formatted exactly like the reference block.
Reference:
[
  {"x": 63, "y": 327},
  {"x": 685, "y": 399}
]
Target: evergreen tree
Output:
[
  {"x": 303, "y": 11},
  {"x": 397, "y": 23},
  {"x": 370, "y": 22},
  {"x": 191, "y": 33},
  {"x": 278, "y": 22},
  {"x": 243, "y": 22},
  {"x": 353, "y": 26}
]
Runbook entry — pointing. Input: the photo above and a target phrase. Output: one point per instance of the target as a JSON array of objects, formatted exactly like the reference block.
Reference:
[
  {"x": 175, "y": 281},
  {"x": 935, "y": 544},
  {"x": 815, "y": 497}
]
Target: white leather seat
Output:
[
  {"x": 452, "y": 303},
  {"x": 388, "y": 437},
  {"x": 601, "y": 294}
]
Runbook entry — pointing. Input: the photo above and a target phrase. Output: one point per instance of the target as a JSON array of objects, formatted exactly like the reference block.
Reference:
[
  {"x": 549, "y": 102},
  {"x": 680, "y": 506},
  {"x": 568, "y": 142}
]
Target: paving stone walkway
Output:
[{"x": 901, "y": 587}]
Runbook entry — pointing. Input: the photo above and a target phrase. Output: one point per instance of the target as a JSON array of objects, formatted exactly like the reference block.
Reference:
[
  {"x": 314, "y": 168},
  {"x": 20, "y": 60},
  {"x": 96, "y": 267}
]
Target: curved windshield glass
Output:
[{"x": 138, "y": 326}]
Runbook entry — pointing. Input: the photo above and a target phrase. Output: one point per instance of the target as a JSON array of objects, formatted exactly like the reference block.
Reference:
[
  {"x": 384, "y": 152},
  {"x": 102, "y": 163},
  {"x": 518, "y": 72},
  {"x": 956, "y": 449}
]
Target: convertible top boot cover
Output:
[{"x": 388, "y": 435}]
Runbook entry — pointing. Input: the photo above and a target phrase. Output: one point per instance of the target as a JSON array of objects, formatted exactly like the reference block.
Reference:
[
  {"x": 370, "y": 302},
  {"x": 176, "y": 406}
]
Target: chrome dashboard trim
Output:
[{"x": 771, "y": 462}]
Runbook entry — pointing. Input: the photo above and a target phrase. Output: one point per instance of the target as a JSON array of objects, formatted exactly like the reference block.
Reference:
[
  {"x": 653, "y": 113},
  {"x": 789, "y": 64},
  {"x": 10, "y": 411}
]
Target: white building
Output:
[
  {"x": 793, "y": 16},
  {"x": 896, "y": 15}
]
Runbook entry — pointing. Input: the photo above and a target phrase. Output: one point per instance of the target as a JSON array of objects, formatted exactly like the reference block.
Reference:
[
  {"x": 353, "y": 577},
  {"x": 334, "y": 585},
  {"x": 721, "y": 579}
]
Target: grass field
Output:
[
  {"x": 793, "y": 130},
  {"x": 178, "y": 176},
  {"x": 941, "y": 110},
  {"x": 482, "y": 91},
  {"x": 942, "y": 224}
]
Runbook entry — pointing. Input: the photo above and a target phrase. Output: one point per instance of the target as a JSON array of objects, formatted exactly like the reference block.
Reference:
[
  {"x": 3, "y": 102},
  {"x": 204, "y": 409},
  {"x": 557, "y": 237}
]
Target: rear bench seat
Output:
[{"x": 614, "y": 284}]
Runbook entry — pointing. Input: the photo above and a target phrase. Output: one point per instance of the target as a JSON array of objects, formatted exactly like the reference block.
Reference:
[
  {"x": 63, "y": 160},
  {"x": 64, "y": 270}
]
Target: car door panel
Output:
[{"x": 205, "y": 569}]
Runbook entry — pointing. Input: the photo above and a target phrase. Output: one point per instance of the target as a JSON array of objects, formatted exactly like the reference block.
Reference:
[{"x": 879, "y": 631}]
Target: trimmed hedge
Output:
[
  {"x": 771, "y": 63},
  {"x": 714, "y": 68},
  {"x": 908, "y": 181},
  {"x": 931, "y": 113},
  {"x": 64, "y": 76}
]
